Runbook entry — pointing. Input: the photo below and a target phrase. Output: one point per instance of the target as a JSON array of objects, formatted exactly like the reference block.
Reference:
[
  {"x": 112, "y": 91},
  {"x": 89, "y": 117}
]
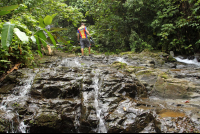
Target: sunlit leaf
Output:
[
  {"x": 33, "y": 39},
  {"x": 48, "y": 20},
  {"x": 4, "y": 61},
  {"x": 21, "y": 35}
]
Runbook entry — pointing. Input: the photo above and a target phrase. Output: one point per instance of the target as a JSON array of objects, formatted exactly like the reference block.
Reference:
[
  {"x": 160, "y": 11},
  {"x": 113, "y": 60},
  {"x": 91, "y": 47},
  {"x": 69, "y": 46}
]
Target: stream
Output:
[{"x": 99, "y": 94}]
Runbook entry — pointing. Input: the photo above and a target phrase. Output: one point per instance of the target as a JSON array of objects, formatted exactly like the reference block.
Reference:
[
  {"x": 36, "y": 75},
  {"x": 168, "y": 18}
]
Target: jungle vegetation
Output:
[{"x": 27, "y": 27}]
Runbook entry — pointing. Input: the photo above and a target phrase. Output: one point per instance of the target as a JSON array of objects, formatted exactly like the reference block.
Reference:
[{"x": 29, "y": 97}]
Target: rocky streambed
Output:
[{"x": 145, "y": 92}]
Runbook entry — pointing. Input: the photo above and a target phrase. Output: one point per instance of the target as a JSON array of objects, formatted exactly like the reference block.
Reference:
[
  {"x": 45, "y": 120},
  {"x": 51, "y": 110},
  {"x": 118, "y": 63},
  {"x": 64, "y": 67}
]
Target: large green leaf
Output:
[
  {"x": 51, "y": 37},
  {"x": 38, "y": 43},
  {"x": 41, "y": 34},
  {"x": 61, "y": 38},
  {"x": 48, "y": 20},
  {"x": 4, "y": 12},
  {"x": 8, "y": 8},
  {"x": 21, "y": 35},
  {"x": 41, "y": 23},
  {"x": 7, "y": 34},
  {"x": 42, "y": 37},
  {"x": 37, "y": 39},
  {"x": 43, "y": 41}
]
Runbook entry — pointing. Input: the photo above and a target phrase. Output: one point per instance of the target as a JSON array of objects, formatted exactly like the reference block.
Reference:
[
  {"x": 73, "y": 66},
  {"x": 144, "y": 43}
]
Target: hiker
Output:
[{"x": 84, "y": 42}]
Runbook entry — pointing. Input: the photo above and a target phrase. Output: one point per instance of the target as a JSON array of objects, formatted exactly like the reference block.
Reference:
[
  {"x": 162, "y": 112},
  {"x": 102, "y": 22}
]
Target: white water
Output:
[
  {"x": 187, "y": 61},
  {"x": 71, "y": 63},
  {"x": 23, "y": 127},
  {"x": 8, "y": 102},
  {"x": 96, "y": 81},
  {"x": 120, "y": 59}
]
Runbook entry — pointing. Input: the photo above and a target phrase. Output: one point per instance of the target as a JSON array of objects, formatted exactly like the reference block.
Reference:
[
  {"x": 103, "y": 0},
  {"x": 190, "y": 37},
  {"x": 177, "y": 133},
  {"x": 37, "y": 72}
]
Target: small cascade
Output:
[
  {"x": 9, "y": 103},
  {"x": 23, "y": 128},
  {"x": 120, "y": 59},
  {"x": 70, "y": 62},
  {"x": 97, "y": 84},
  {"x": 187, "y": 61}
]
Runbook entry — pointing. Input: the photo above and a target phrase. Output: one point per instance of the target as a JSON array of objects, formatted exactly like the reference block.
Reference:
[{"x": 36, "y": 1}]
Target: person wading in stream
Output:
[{"x": 84, "y": 42}]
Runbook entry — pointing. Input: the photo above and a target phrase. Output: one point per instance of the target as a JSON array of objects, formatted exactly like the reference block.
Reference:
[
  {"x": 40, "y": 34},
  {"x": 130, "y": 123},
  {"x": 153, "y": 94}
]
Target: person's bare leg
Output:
[
  {"x": 82, "y": 51},
  {"x": 89, "y": 49}
]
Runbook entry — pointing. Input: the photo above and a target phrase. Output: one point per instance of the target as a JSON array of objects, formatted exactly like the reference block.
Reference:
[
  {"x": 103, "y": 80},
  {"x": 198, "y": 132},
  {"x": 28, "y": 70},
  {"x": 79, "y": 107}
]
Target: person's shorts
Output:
[{"x": 84, "y": 43}]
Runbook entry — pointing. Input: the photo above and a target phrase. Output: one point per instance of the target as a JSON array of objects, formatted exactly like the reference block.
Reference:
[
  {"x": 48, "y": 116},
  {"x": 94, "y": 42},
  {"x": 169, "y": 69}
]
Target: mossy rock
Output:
[
  {"x": 6, "y": 89},
  {"x": 126, "y": 53},
  {"x": 47, "y": 119},
  {"x": 119, "y": 65},
  {"x": 130, "y": 69},
  {"x": 171, "y": 89},
  {"x": 164, "y": 75},
  {"x": 144, "y": 72},
  {"x": 171, "y": 59},
  {"x": 4, "y": 125}
]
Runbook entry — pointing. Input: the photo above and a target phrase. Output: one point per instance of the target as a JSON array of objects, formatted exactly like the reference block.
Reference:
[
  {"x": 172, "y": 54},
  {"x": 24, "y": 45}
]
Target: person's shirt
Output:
[{"x": 82, "y": 31}]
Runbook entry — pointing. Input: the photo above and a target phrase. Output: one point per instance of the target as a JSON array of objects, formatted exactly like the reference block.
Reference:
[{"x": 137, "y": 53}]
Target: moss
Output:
[
  {"x": 15, "y": 104},
  {"x": 124, "y": 53},
  {"x": 119, "y": 65},
  {"x": 31, "y": 121},
  {"x": 146, "y": 72},
  {"x": 164, "y": 75},
  {"x": 130, "y": 70},
  {"x": 82, "y": 64},
  {"x": 137, "y": 67},
  {"x": 171, "y": 59}
]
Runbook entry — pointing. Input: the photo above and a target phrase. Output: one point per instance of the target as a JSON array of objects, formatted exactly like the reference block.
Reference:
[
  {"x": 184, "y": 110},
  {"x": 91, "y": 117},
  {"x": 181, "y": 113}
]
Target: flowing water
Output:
[
  {"x": 187, "y": 61},
  {"x": 120, "y": 59},
  {"x": 9, "y": 103},
  {"x": 97, "y": 84},
  {"x": 21, "y": 94}
]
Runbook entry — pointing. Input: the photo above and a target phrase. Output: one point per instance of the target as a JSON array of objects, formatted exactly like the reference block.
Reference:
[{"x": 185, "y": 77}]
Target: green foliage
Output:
[
  {"x": 110, "y": 28},
  {"x": 167, "y": 25},
  {"x": 28, "y": 21},
  {"x": 7, "y": 33},
  {"x": 137, "y": 44},
  {"x": 7, "y": 9}
]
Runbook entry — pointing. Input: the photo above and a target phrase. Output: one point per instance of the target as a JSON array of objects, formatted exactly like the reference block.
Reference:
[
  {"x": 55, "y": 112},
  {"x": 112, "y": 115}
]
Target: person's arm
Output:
[{"x": 88, "y": 33}]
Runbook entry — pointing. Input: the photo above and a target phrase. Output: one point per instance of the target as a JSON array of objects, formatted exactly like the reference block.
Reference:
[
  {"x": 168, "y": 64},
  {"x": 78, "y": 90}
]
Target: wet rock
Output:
[
  {"x": 50, "y": 92},
  {"x": 45, "y": 121},
  {"x": 6, "y": 89},
  {"x": 4, "y": 125},
  {"x": 164, "y": 88},
  {"x": 133, "y": 93}
]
